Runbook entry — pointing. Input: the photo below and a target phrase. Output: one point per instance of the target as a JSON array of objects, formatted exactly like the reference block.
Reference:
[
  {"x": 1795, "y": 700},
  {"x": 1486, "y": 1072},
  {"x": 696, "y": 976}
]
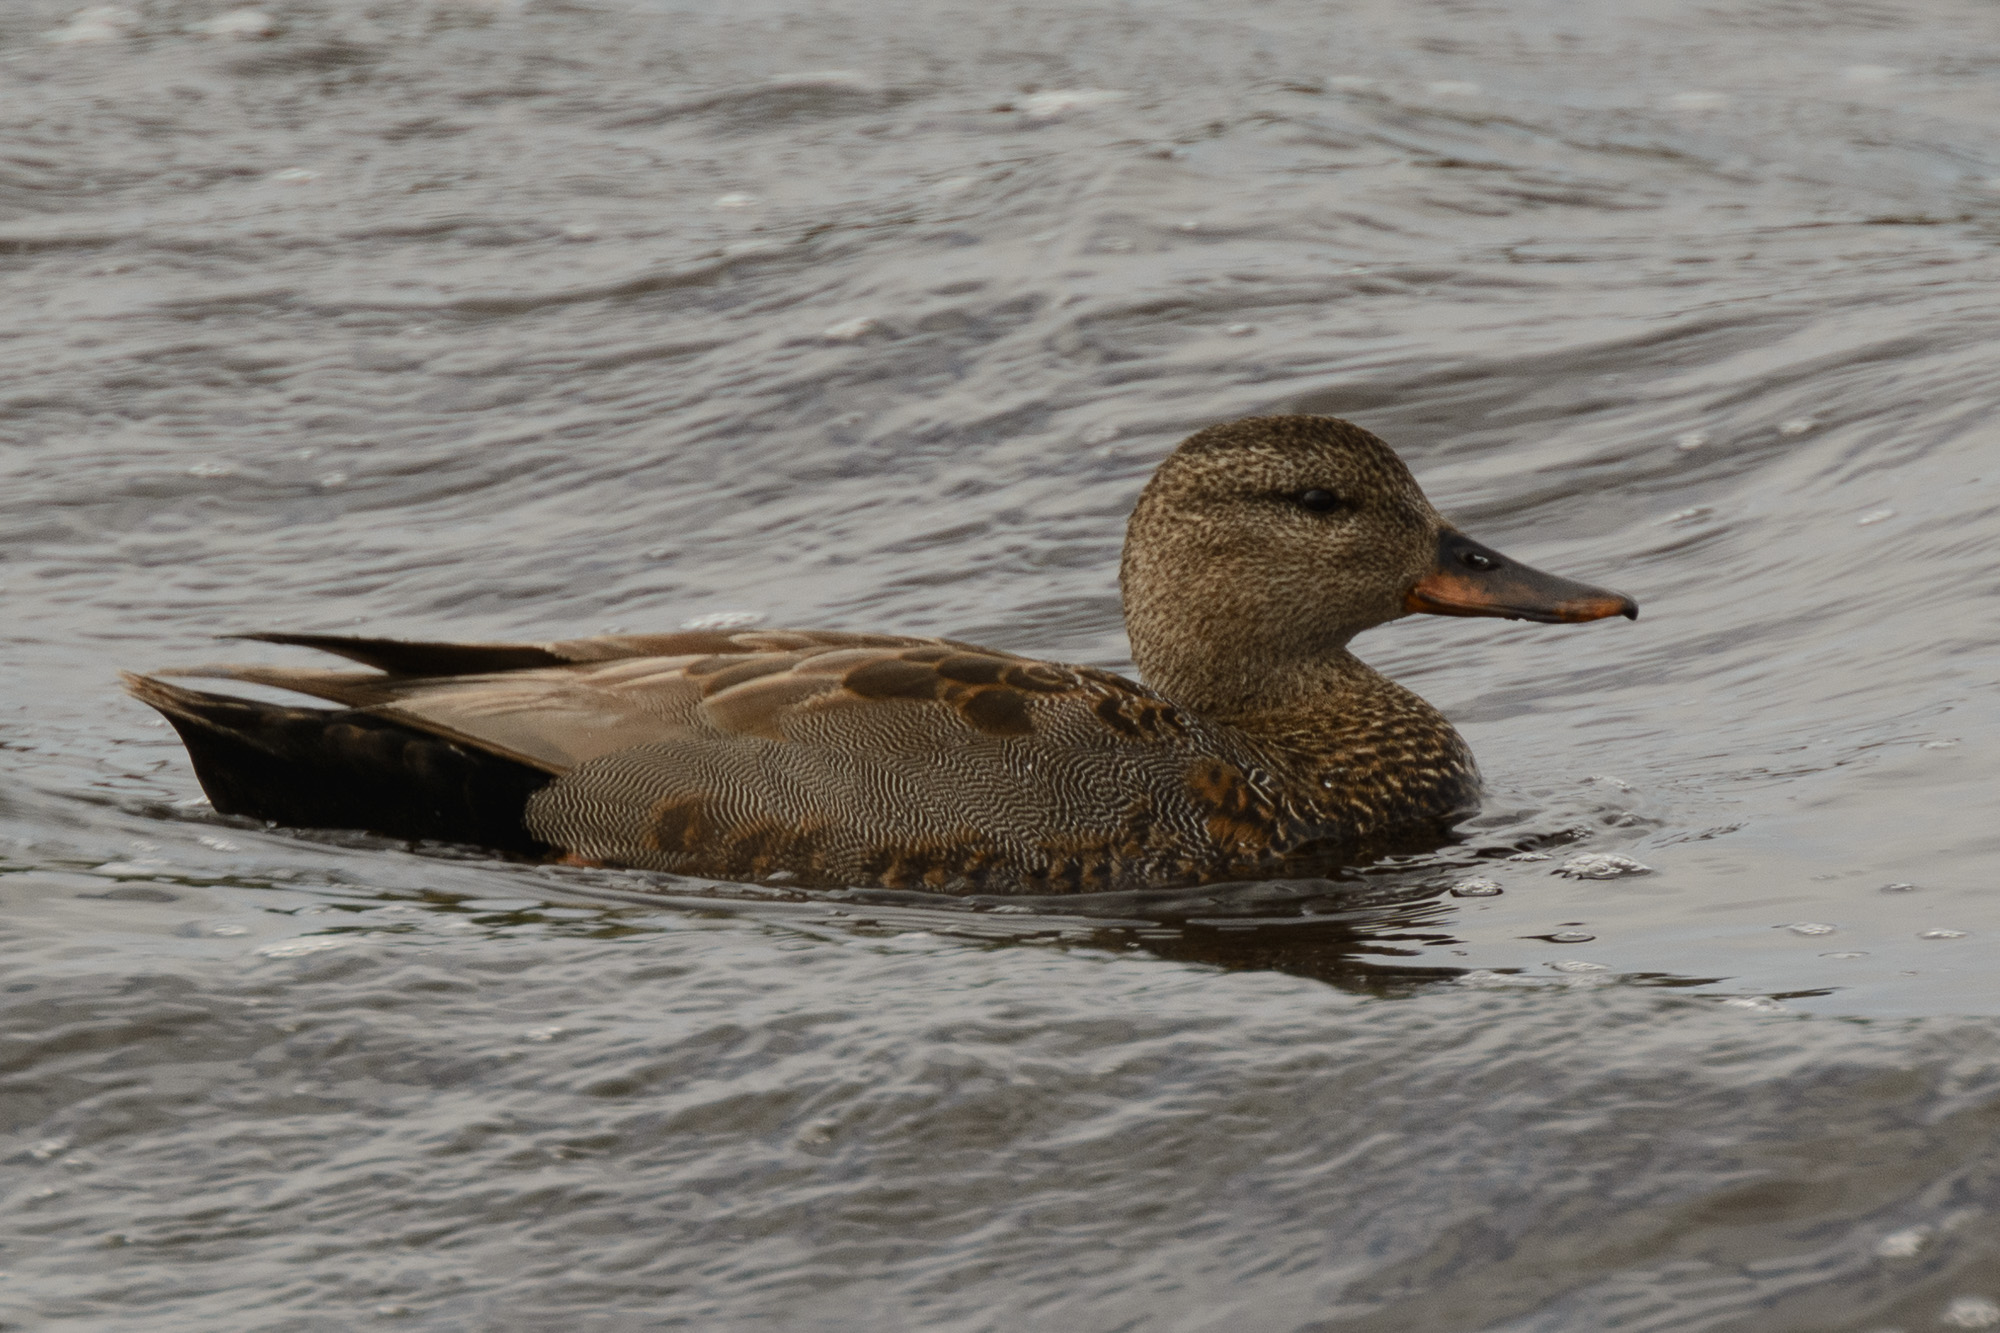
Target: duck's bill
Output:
[{"x": 1468, "y": 579}]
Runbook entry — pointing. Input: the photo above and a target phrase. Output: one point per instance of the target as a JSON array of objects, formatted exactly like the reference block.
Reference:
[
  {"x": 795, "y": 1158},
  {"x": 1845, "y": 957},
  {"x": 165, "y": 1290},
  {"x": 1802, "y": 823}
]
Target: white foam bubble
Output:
[
  {"x": 239, "y": 23},
  {"x": 1476, "y": 888},
  {"x": 299, "y": 948},
  {"x": 99, "y": 23},
  {"x": 1811, "y": 928},
  {"x": 1902, "y": 1244},
  {"x": 1602, "y": 865},
  {"x": 737, "y": 200},
  {"x": 1578, "y": 965},
  {"x": 850, "y": 329},
  {"x": 1970, "y": 1312},
  {"x": 1239, "y": 330},
  {"x": 295, "y": 176},
  {"x": 1698, "y": 99},
  {"x": 1796, "y": 426},
  {"x": 1056, "y": 102},
  {"x": 1691, "y": 440},
  {"x": 1941, "y": 934},
  {"x": 723, "y": 620},
  {"x": 1873, "y": 517}
]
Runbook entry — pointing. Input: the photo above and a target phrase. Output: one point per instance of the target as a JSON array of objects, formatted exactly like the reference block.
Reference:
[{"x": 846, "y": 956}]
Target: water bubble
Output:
[
  {"x": 1941, "y": 934},
  {"x": 1238, "y": 330},
  {"x": 1101, "y": 433},
  {"x": 294, "y": 176},
  {"x": 218, "y": 844},
  {"x": 331, "y": 481},
  {"x": 736, "y": 200},
  {"x": 578, "y": 231},
  {"x": 299, "y": 948},
  {"x": 1476, "y": 888},
  {"x": 100, "y": 23},
  {"x": 1847, "y": 953},
  {"x": 1940, "y": 745},
  {"x": 1796, "y": 426},
  {"x": 954, "y": 185},
  {"x": 1971, "y": 1312},
  {"x": 1689, "y": 515},
  {"x": 1762, "y": 1004},
  {"x": 211, "y": 468},
  {"x": 1577, "y": 965},
  {"x": 241, "y": 23},
  {"x": 1810, "y": 928},
  {"x": 1570, "y": 937},
  {"x": 1902, "y": 1244},
  {"x": 723, "y": 620},
  {"x": 1606, "y": 780},
  {"x": 228, "y": 930},
  {"x": 849, "y": 329},
  {"x": 1691, "y": 440},
  {"x": 1529, "y": 856},
  {"x": 1061, "y": 101},
  {"x": 49, "y": 1148},
  {"x": 1899, "y": 887},
  {"x": 1700, "y": 99},
  {"x": 1873, "y": 517},
  {"x": 1602, "y": 865},
  {"x": 542, "y": 1034}
]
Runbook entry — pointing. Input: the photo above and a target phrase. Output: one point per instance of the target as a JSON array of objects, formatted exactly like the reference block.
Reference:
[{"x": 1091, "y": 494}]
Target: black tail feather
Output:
[
  {"x": 404, "y": 657},
  {"x": 345, "y": 768}
]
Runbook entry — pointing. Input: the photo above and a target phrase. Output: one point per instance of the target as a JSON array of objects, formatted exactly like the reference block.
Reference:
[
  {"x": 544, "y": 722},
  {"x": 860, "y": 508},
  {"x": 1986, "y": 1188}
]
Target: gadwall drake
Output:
[{"x": 1258, "y": 746}]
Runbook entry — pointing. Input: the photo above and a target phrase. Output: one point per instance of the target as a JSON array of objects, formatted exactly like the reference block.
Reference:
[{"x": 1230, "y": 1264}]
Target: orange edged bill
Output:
[{"x": 1468, "y": 579}]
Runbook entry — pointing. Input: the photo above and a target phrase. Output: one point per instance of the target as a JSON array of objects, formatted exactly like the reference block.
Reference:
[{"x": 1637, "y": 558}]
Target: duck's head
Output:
[{"x": 1262, "y": 546}]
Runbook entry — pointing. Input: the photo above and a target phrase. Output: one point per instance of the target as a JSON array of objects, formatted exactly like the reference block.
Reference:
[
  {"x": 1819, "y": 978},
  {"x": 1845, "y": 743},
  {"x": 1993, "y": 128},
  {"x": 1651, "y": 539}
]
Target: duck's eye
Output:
[
  {"x": 1478, "y": 560},
  {"x": 1318, "y": 501}
]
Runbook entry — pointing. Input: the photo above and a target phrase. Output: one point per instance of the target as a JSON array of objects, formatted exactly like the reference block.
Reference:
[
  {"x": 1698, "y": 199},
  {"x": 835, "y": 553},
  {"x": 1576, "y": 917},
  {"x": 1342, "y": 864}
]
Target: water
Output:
[{"x": 529, "y": 319}]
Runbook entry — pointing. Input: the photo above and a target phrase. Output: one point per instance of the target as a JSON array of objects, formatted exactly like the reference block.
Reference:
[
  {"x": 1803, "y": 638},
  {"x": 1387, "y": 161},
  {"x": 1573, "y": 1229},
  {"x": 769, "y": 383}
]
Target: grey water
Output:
[{"x": 532, "y": 318}]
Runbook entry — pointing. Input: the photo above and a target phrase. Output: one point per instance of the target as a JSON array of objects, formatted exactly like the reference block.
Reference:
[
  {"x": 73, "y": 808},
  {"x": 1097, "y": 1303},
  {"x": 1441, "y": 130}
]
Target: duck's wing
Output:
[{"x": 831, "y": 758}]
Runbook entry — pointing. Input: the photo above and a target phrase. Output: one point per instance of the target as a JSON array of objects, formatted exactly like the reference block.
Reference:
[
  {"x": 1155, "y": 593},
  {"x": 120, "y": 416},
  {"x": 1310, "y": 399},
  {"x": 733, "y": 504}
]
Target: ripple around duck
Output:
[{"x": 520, "y": 321}]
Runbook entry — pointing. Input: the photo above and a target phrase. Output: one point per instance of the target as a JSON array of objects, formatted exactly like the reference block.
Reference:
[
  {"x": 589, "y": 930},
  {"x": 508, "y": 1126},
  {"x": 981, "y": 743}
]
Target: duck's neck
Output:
[{"x": 1326, "y": 705}]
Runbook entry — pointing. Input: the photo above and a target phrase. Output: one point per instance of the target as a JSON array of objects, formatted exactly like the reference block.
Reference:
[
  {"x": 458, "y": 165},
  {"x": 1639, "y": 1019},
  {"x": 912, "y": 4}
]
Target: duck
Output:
[{"x": 1258, "y": 745}]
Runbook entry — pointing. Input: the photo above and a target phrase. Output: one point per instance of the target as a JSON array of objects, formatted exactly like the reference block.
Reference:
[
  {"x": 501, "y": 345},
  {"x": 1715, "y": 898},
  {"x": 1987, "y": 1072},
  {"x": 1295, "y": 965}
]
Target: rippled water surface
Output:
[{"x": 496, "y": 320}]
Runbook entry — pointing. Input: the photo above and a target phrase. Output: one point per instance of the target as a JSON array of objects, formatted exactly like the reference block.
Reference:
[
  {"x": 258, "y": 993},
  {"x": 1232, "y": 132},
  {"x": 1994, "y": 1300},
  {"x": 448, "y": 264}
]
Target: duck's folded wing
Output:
[{"x": 905, "y": 761}]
